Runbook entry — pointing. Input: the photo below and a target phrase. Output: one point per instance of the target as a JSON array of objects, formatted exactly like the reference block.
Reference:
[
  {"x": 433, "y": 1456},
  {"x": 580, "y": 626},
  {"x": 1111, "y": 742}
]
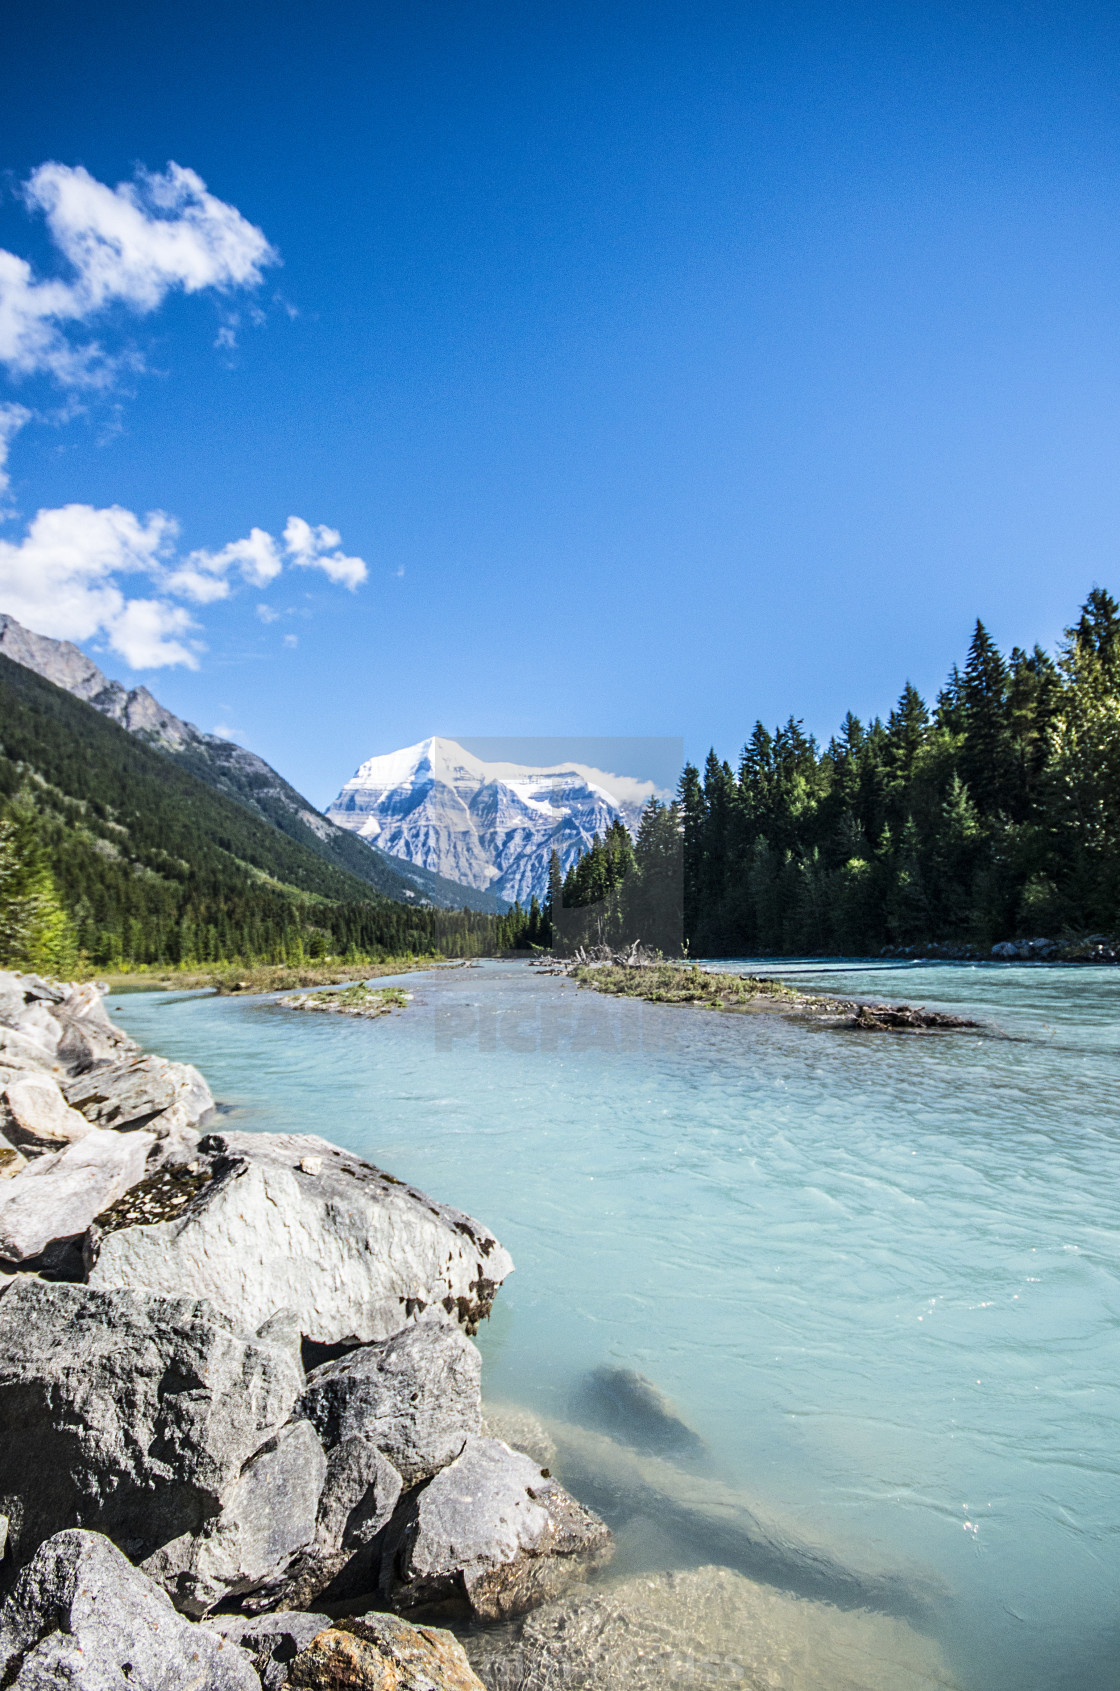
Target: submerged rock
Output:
[
  {"x": 710, "y": 1518},
  {"x": 81, "y": 1616},
  {"x": 353, "y": 1252},
  {"x": 495, "y": 1529},
  {"x": 521, "y": 1430},
  {"x": 383, "y": 1653},
  {"x": 701, "y": 1628},
  {"x": 131, "y": 1414},
  {"x": 46, "y": 1211},
  {"x": 629, "y": 1407}
]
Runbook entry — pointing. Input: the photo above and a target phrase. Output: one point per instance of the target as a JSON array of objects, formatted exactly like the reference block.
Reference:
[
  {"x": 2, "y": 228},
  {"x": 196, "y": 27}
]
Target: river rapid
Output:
[{"x": 878, "y": 1274}]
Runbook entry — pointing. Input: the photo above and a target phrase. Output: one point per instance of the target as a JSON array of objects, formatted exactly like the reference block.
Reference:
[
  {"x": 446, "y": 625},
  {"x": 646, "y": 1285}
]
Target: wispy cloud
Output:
[
  {"x": 12, "y": 419},
  {"x": 130, "y": 245},
  {"x": 66, "y": 578}
]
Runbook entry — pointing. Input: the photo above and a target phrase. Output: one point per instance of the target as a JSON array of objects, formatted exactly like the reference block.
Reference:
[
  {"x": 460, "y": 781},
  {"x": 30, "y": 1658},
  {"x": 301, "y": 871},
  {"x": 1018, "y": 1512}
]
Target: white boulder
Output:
[{"x": 355, "y": 1253}]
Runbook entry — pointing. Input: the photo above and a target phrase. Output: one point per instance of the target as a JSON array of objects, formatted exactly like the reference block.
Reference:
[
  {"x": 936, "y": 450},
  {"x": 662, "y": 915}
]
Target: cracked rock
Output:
[{"x": 416, "y": 1396}]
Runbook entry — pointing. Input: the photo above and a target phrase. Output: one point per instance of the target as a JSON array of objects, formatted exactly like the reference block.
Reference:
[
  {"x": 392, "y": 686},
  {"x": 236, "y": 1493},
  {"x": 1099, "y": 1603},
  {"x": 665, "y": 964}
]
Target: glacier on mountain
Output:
[{"x": 493, "y": 826}]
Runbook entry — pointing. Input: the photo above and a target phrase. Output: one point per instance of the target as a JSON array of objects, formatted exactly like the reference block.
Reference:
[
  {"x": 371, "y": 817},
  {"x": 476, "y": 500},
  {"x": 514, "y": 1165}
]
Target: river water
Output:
[{"x": 878, "y": 1274}]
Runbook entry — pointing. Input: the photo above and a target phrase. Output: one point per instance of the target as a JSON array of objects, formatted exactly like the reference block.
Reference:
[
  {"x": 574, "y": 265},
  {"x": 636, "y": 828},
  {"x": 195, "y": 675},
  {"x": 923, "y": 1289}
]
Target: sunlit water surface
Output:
[{"x": 879, "y": 1274}]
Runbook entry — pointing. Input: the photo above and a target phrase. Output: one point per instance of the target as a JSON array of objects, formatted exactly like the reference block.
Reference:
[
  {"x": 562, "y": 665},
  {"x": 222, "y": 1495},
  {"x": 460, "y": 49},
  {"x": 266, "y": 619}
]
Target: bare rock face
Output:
[
  {"x": 131, "y": 1414},
  {"x": 291, "y": 1222},
  {"x": 46, "y": 1211},
  {"x": 416, "y": 1396},
  {"x": 141, "y": 1092},
  {"x": 496, "y": 1529},
  {"x": 81, "y": 1616},
  {"x": 383, "y": 1653},
  {"x": 35, "y": 1117}
]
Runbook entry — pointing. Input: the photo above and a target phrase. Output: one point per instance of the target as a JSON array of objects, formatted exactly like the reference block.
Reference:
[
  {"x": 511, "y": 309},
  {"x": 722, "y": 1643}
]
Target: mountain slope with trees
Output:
[{"x": 150, "y": 865}]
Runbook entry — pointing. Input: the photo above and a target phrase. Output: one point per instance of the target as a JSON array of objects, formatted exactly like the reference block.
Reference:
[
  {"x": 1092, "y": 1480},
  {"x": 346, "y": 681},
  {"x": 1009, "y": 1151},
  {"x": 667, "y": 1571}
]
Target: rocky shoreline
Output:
[{"x": 243, "y": 1443}]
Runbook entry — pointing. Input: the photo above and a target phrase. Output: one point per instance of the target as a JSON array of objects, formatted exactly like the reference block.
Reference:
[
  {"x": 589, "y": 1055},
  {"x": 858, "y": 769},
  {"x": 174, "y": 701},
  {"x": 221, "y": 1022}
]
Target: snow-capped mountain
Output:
[{"x": 492, "y": 826}]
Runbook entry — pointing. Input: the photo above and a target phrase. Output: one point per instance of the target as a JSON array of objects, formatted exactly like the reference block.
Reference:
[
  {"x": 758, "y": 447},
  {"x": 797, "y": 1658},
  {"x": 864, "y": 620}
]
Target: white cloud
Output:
[
  {"x": 12, "y": 419},
  {"x": 132, "y": 245},
  {"x": 317, "y": 548},
  {"x": 291, "y": 641},
  {"x": 64, "y": 578},
  {"x": 204, "y": 576},
  {"x": 61, "y": 579}
]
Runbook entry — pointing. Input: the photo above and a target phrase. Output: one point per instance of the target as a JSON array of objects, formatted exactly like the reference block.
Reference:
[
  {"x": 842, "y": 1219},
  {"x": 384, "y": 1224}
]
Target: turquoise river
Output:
[{"x": 878, "y": 1274}]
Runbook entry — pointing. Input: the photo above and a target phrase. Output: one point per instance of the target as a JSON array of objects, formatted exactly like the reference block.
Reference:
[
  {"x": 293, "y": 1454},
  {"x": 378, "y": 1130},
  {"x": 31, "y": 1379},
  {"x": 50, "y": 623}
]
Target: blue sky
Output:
[{"x": 665, "y": 366}]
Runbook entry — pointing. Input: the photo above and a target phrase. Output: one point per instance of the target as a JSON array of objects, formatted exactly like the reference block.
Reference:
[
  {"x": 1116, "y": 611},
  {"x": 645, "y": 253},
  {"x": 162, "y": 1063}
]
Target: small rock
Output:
[
  {"x": 11, "y": 1161},
  {"x": 383, "y": 1653},
  {"x": 415, "y": 1396},
  {"x": 273, "y": 1641},
  {"x": 359, "y": 1495},
  {"x": 492, "y": 1528},
  {"x": 267, "y": 1517},
  {"x": 46, "y": 1210},
  {"x": 34, "y": 1115},
  {"x": 81, "y": 1616}
]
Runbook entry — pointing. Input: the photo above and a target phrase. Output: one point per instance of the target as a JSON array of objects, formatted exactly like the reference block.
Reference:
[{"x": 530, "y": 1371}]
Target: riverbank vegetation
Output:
[{"x": 669, "y": 983}]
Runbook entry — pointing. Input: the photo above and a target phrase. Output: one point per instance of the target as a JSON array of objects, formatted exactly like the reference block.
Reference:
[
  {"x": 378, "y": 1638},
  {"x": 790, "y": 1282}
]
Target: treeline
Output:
[
  {"x": 112, "y": 854},
  {"x": 994, "y": 815},
  {"x": 620, "y": 888}
]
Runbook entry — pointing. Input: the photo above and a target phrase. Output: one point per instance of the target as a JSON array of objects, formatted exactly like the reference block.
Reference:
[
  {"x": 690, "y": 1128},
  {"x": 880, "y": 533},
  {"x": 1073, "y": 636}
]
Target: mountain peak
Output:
[{"x": 490, "y": 825}]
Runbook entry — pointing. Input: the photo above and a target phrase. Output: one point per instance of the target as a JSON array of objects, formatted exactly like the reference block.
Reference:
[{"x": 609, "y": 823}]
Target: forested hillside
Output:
[
  {"x": 995, "y": 814},
  {"x": 151, "y": 865}
]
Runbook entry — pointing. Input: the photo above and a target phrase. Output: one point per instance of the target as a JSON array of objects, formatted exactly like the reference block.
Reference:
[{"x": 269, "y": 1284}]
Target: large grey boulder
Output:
[
  {"x": 416, "y": 1396},
  {"x": 495, "y": 1529},
  {"x": 81, "y": 1616},
  {"x": 47, "y": 1208},
  {"x": 129, "y": 1413},
  {"x": 268, "y": 1515},
  {"x": 290, "y": 1221},
  {"x": 141, "y": 1092}
]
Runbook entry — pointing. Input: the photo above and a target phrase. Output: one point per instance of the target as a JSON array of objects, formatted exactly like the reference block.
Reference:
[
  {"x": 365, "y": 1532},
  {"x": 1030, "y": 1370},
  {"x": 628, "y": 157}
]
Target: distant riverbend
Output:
[{"x": 877, "y": 1278}]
